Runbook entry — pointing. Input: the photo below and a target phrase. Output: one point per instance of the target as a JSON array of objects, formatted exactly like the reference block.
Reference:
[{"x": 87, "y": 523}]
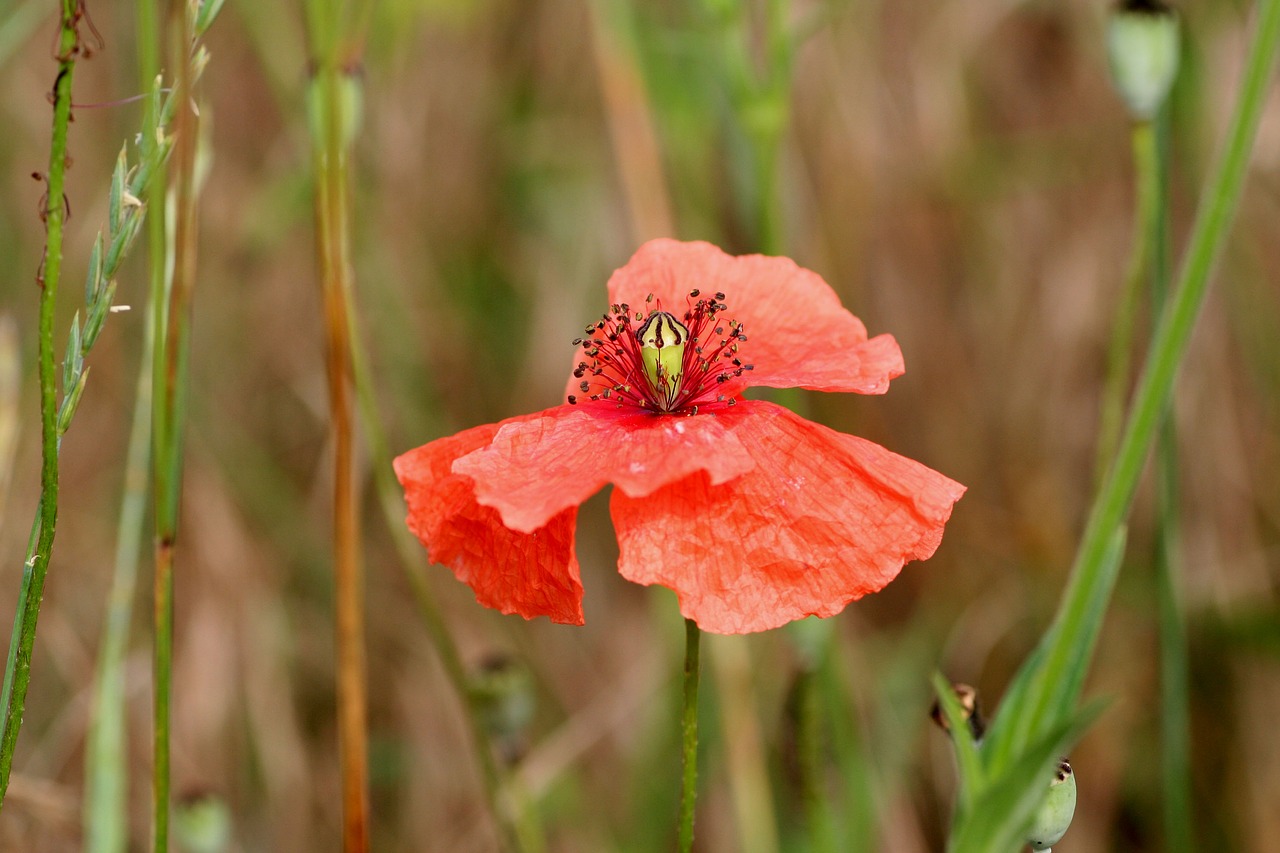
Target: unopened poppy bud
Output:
[
  {"x": 1143, "y": 43},
  {"x": 1055, "y": 813},
  {"x": 662, "y": 342},
  {"x": 202, "y": 822}
]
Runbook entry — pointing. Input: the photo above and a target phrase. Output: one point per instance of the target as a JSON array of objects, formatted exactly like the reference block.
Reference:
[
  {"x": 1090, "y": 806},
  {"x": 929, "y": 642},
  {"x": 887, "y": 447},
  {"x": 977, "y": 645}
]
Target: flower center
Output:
[{"x": 659, "y": 362}]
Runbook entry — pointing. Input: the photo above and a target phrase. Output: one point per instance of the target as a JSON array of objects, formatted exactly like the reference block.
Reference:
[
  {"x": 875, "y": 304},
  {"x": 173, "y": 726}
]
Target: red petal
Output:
[
  {"x": 798, "y": 334},
  {"x": 533, "y": 573},
  {"x": 824, "y": 518},
  {"x": 536, "y": 467}
]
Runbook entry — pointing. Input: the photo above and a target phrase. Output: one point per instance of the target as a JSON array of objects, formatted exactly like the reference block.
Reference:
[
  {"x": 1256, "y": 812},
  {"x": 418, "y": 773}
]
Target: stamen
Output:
[{"x": 657, "y": 362}]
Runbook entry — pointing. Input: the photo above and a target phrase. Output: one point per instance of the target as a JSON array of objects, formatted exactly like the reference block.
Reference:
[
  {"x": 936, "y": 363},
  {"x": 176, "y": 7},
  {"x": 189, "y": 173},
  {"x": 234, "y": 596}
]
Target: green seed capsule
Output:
[
  {"x": 1143, "y": 44},
  {"x": 662, "y": 343},
  {"x": 1055, "y": 813}
]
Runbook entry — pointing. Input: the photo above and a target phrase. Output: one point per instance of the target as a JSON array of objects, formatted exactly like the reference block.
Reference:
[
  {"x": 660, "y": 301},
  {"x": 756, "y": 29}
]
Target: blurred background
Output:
[{"x": 960, "y": 173}]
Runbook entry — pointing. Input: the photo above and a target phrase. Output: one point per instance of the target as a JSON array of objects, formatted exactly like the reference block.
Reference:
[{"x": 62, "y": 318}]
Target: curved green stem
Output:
[
  {"x": 689, "y": 734},
  {"x": 1174, "y": 702},
  {"x": 18, "y": 670},
  {"x": 1120, "y": 352}
]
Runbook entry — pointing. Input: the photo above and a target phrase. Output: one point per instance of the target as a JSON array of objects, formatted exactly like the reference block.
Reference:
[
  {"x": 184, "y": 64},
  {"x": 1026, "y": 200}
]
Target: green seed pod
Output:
[
  {"x": 662, "y": 343},
  {"x": 1143, "y": 44},
  {"x": 202, "y": 823},
  {"x": 1055, "y": 813}
]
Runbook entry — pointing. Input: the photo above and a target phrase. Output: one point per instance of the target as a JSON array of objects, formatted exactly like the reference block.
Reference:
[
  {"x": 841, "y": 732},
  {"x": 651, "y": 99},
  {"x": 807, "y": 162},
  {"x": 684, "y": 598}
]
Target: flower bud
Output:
[
  {"x": 202, "y": 823},
  {"x": 1143, "y": 43},
  {"x": 662, "y": 342},
  {"x": 1055, "y": 813}
]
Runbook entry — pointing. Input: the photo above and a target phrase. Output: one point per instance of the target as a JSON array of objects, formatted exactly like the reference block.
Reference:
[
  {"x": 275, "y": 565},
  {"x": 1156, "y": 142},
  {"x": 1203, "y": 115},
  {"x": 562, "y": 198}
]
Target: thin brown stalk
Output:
[{"x": 332, "y": 228}]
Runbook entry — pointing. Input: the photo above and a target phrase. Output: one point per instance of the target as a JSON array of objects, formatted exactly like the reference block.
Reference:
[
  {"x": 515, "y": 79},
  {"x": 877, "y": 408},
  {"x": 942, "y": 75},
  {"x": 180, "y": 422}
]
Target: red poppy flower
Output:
[{"x": 753, "y": 515}]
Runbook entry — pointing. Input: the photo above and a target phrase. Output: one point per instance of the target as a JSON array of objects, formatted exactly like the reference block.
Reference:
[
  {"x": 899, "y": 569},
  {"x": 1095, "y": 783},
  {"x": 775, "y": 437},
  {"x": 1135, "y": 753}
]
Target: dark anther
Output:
[
  {"x": 585, "y": 386},
  {"x": 573, "y": 401},
  {"x": 733, "y": 402},
  {"x": 605, "y": 393},
  {"x": 719, "y": 296},
  {"x": 694, "y": 293}
]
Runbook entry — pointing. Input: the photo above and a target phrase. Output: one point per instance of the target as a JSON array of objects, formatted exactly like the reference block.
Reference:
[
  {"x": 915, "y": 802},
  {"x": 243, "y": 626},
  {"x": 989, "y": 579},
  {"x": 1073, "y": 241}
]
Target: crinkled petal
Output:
[
  {"x": 824, "y": 518},
  {"x": 798, "y": 333},
  {"x": 532, "y": 573},
  {"x": 537, "y": 467}
]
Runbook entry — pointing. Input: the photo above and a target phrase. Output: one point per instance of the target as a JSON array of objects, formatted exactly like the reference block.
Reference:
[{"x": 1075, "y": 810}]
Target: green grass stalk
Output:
[
  {"x": 689, "y": 735},
  {"x": 1048, "y": 688},
  {"x": 171, "y": 315},
  {"x": 1120, "y": 352},
  {"x": 811, "y": 727},
  {"x": 106, "y": 770},
  {"x": 1179, "y": 828},
  {"x": 36, "y": 566},
  {"x": 745, "y": 757}
]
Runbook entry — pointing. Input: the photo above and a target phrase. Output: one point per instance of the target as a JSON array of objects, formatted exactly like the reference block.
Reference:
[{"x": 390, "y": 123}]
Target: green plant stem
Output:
[
  {"x": 1074, "y": 631},
  {"x": 106, "y": 773},
  {"x": 746, "y": 763},
  {"x": 689, "y": 734},
  {"x": 1174, "y": 701},
  {"x": 18, "y": 672},
  {"x": 809, "y": 747},
  {"x": 1120, "y": 353},
  {"x": 171, "y": 313}
]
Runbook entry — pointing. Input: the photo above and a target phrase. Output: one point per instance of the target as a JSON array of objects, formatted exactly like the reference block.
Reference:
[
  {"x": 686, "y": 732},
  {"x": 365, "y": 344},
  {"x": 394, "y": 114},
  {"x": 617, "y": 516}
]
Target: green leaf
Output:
[{"x": 969, "y": 763}]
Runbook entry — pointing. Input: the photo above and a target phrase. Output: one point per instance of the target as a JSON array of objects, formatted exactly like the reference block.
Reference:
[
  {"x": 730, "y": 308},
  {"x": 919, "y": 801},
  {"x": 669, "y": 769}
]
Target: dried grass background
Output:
[{"x": 959, "y": 172}]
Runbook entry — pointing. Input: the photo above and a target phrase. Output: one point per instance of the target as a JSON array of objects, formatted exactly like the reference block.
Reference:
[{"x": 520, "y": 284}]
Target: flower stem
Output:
[
  {"x": 1175, "y": 722},
  {"x": 18, "y": 669},
  {"x": 689, "y": 734},
  {"x": 1120, "y": 353}
]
